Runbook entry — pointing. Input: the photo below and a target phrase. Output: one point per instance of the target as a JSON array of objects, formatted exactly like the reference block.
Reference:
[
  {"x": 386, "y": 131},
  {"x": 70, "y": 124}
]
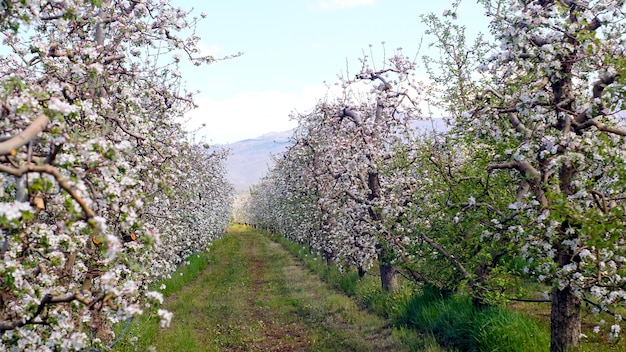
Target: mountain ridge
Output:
[{"x": 250, "y": 159}]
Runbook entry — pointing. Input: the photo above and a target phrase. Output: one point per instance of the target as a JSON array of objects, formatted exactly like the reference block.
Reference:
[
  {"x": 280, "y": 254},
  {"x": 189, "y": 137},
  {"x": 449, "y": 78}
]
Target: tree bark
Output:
[
  {"x": 564, "y": 320},
  {"x": 388, "y": 277},
  {"x": 361, "y": 271}
]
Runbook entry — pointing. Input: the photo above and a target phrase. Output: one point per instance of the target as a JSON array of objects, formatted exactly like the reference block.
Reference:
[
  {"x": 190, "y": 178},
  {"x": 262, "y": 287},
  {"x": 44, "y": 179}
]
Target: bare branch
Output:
[
  {"x": 582, "y": 120},
  {"x": 494, "y": 93},
  {"x": 604, "y": 128},
  {"x": 600, "y": 126},
  {"x": 111, "y": 58},
  {"x": 539, "y": 41},
  {"x": 600, "y": 84},
  {"x": 603, "y": 308},
  {"x": 532, "y": 175},
  {"x": 519, "y": 126},
  {"x": 352, "y": 115},
  {"x": 522, "y": 166},
  {"x": 443, "y": 252},
  {"x": 377, "y": 76},
  {"x": 62, "y": 181},
  {"x": 130, "y": 133},
  {"x": 594, "y": 24},
  {"x": 47, "y": 299},
  {"x": 25, "y": 136}
]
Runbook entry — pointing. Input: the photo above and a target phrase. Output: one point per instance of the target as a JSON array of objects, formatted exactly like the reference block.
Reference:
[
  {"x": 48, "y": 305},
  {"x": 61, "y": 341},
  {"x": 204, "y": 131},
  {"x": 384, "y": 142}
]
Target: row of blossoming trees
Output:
[
  {"x": 531, "y": 169},
  {"x": 100, "y": 193}
]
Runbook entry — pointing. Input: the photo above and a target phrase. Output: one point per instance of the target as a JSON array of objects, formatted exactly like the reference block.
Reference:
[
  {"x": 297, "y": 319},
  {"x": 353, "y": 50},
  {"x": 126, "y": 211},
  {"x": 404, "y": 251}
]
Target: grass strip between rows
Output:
[
  {"x": 452, "y": 320},
  {"x": 249, "y": 293}
]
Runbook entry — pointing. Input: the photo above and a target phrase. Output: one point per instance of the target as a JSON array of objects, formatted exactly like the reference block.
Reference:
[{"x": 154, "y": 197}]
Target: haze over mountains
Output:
[{"x": 250, "y": 159}]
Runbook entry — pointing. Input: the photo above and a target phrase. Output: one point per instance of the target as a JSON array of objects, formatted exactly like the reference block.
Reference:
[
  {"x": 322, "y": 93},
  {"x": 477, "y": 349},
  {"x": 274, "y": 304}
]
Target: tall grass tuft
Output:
[{"x": 459, "y": 324}]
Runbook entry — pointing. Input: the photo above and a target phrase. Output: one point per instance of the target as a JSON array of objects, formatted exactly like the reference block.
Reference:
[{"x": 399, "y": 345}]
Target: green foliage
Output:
[
  {"x": 460, "y": 214},
  {"x": 456, "y": 322}
]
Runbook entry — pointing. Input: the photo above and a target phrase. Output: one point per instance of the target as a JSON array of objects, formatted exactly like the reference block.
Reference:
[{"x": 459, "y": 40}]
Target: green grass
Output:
[
  {"x": 456, "y": 322},
  {"x": 592, "y": 342},
  {"x": 451, "y": 321},
  {"x": 134, "y": 333},
  {"x": 366, "y": 293},
  {"x": 252, "y": 295},
  {"x": 185, "y": 274}
]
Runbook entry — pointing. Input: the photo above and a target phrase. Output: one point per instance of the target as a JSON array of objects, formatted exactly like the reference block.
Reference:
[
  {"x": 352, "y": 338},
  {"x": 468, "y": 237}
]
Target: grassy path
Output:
[{"x": 253, "y": 296}]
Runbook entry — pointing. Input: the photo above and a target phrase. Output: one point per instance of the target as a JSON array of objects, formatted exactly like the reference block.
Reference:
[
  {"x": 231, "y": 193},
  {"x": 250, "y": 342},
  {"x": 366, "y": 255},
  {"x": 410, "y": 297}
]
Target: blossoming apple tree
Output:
[
  {"x": 100, "y": 192},
  {"x": 548, "y": 104},
  {"x": 339, "y": 172}
]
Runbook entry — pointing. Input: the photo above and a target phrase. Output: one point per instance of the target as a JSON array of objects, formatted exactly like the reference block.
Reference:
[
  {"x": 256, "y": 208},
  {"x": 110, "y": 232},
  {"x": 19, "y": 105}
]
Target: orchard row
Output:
[
  {"x": 527, "y": 181},
  {"x": 101, "y": 194}
]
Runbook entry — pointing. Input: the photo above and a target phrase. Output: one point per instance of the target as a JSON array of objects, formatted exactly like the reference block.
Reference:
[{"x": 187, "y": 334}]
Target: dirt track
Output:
[{"x": 254, "y": 296}]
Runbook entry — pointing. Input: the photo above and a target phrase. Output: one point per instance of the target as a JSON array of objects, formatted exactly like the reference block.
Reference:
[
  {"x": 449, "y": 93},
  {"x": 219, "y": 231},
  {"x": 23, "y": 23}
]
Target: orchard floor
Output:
[{"x": 254, "y": 296}]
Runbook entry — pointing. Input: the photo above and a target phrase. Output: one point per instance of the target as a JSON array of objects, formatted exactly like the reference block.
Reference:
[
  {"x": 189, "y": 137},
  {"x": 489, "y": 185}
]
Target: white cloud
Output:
[
  {"x": 249, "y": 114},
  {"x": 329, "y": 5}
]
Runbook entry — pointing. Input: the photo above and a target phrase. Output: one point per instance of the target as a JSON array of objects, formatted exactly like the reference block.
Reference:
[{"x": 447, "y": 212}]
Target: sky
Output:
[{"x": 292, "y": 50}]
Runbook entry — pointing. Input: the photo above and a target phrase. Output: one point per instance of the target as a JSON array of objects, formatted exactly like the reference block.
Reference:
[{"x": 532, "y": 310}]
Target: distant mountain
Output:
[
  {"x": 436, "y": 125},
  {"x": 250, "y": 159}
]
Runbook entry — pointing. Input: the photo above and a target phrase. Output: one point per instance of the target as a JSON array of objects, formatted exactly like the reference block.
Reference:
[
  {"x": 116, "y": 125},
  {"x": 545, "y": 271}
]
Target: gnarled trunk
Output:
[
  {"x": 388, "y": 277},
  {"x": 564, "y": 320}
]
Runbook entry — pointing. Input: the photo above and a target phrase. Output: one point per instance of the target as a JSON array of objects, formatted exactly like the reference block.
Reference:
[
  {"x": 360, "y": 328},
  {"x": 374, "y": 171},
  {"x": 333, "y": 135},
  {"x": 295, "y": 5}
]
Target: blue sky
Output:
[{"x": 290, "y": 48}]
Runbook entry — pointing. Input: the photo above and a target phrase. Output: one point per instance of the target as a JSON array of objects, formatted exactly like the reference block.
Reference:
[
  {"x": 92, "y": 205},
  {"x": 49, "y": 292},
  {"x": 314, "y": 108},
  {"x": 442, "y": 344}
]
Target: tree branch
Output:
[
  {"x": 62, "y": 181},
  {"x": 599, "y": 125},
  {"x": 483, "y": 204},
  {"x": 130, "y": 133},
  {"x": 111, "y": 58},
  {"x": 443, "y": 252},
  {"x": 598, "y": 89},
  {"x": 522, "y": 166},
  {"x": 603, "y": 308},
  {"x": 47, "y": 299},
  {"x": 352, "y": 115},
  {"x": 375, "y": 76},
  {"x": 25, "y": 136},
  {"x": 519, "y": 126},
  {"x": 532, "y": 175}
]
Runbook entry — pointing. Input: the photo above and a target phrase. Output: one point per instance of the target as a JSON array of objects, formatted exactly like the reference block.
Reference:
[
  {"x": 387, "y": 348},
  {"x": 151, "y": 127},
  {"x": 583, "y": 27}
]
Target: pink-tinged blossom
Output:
[
  {"x": 165, "y": 318},
  {"x": 155, "y": 296},
  {"x": 61, "y": 106}
]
